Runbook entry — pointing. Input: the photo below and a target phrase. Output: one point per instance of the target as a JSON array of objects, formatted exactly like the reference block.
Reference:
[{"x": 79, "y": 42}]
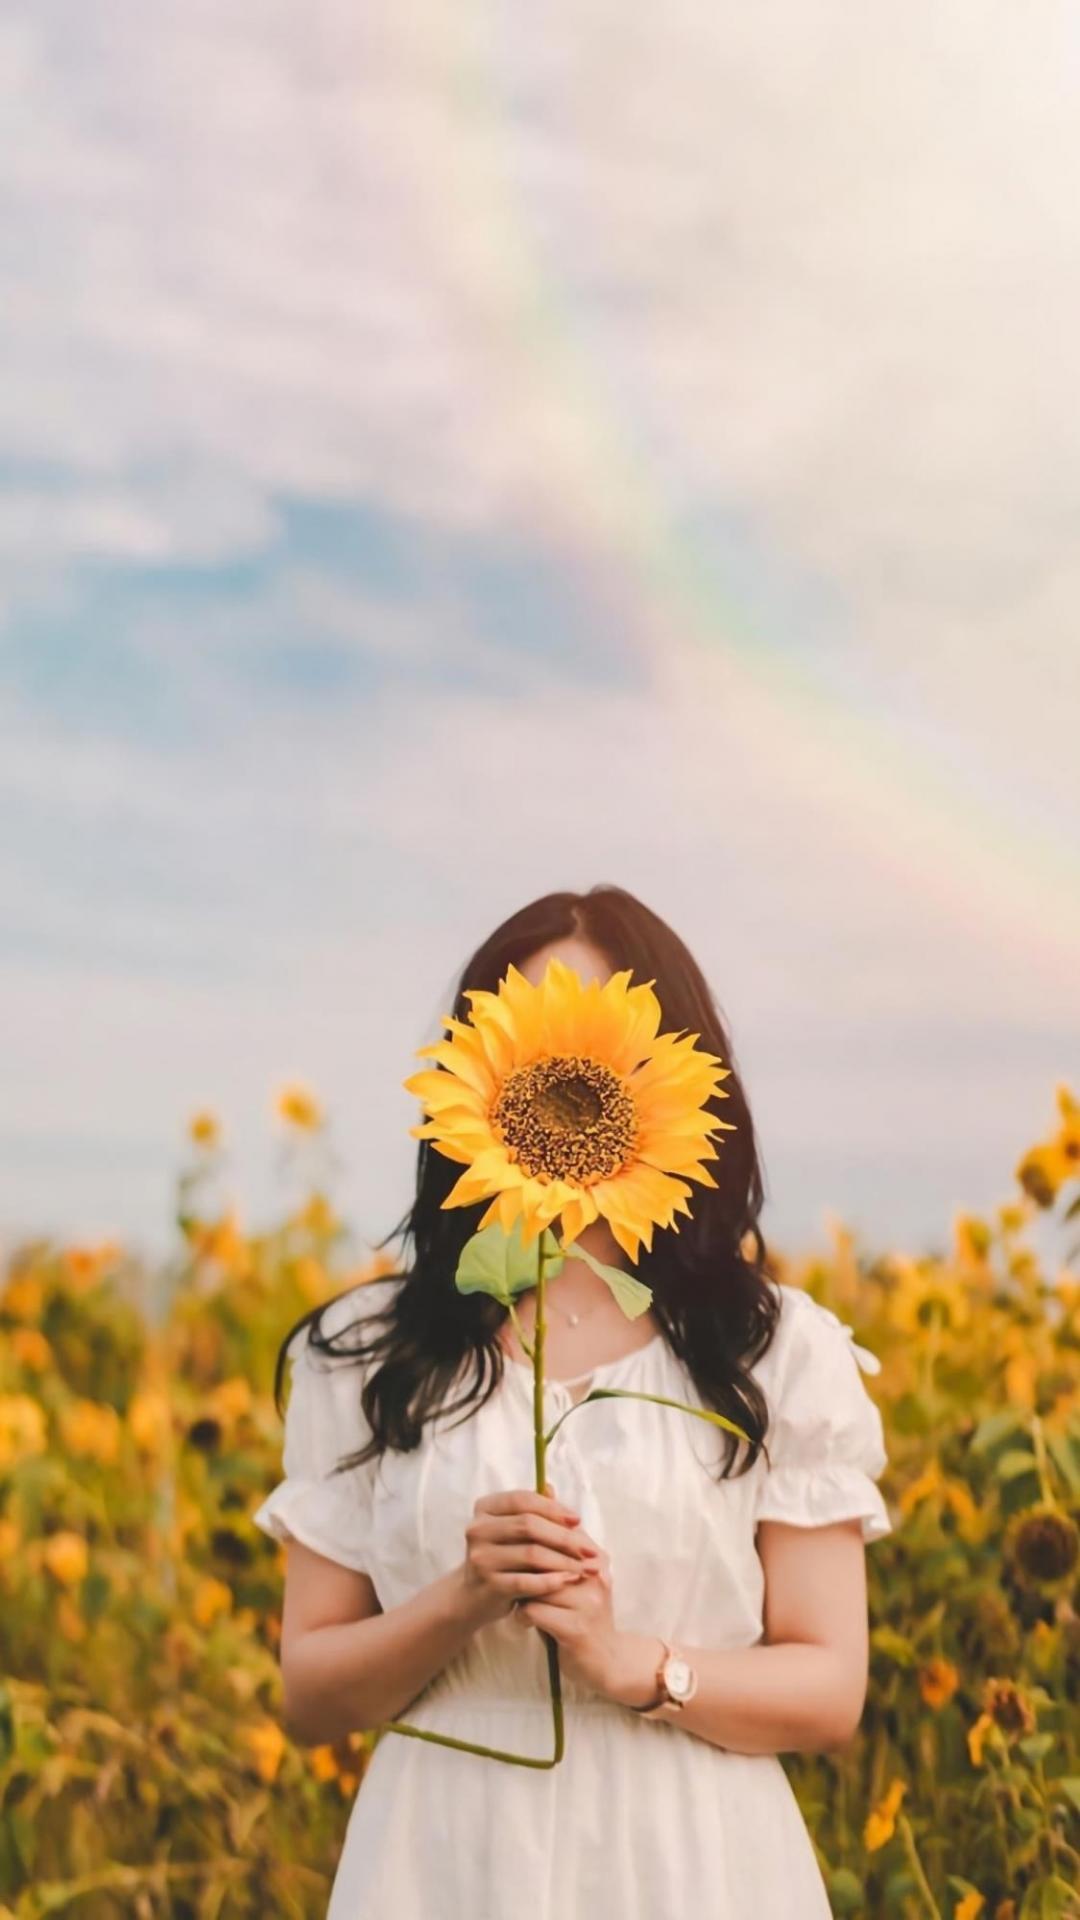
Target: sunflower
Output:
[
  {"x": 1042, "y": 1547},
  {"x": 565, "y": 1100}
]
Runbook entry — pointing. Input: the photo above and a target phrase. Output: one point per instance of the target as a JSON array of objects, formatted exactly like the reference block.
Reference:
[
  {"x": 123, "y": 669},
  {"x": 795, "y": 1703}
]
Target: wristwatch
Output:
[{"x": 677, "y": 1682}]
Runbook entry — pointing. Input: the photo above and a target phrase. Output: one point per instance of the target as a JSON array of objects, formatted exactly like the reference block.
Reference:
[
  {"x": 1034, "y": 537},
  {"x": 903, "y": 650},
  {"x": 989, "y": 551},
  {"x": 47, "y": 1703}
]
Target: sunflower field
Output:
[{"x": 143, "y": 1767}]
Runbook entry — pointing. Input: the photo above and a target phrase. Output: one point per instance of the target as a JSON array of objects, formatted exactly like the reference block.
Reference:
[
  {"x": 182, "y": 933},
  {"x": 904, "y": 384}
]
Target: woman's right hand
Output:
[{"x": 521, "y": 1545}]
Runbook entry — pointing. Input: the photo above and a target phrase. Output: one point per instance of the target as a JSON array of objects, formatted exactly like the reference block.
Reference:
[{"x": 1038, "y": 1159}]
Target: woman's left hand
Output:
[{"x": 579, "y": 1617}]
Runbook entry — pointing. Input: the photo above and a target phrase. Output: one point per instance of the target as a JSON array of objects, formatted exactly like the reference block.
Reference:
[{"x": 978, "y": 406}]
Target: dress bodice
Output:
[{"x": 642, "y": 1476}]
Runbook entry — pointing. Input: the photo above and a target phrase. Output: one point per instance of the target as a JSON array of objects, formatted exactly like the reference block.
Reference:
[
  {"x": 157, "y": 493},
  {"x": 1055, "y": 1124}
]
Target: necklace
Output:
[{"x": 574, "y": 1319}]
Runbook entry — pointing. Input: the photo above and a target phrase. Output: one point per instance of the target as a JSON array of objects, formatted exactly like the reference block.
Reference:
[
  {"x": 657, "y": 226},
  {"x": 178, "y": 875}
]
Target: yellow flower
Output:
[
  {"x": 211, "y": 1598},
  {"x": 938, "y": 1681},
  {"x": 565, "y": 1099},
  {"x": 881, "y": 1820},
  {"x": 925, "y": 1295},
  {"x": 311, "y": 1278},
  {"x": 943, "y": 1491},
  {"x": 972, "y": 1240},
  {"x": 22, "y": 1428},
  {"x": 1045, "y": 1169},
  {"x": 23, "y": 1298},
  {"x": 970, "y": 1906},
  {"x": 9, "y": 1540},
  {"x": 1067, "y": 1142},
  {"x": 86, "y": 1265},
  {"x": 977, "y": 1736},
  {"x": 31, "y": 1349},
  {"x": 318, "y": 1216},
  {"x": 204, "y": 1129},
  {"x": 150, "y": 1420},
  {"x": 299, "y": 1108},
  {"x": 90, "y": 1428},
  {"x": 66, "y": 1557},
  {"x": 267, "y": 1743},
  {"x": 323, "y": 1763},
  {"x": 928, "y": 1483},
  {"x": 229, "y": 1400},
  {"x": 224, "y": 1241}
]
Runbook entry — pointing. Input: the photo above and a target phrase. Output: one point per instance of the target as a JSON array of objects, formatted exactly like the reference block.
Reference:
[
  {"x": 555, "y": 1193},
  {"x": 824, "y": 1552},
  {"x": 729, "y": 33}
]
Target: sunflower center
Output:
[{"x": 565, "y": 1118}]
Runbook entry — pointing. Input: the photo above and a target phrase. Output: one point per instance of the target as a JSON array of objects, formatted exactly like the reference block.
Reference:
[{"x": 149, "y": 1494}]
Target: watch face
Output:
[{"x": 678, "y": 1678}]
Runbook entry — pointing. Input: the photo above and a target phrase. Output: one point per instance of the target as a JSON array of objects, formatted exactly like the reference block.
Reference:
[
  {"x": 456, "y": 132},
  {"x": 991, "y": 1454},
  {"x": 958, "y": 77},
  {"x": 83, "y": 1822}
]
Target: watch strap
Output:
[{"x": 665, "y": 1703}]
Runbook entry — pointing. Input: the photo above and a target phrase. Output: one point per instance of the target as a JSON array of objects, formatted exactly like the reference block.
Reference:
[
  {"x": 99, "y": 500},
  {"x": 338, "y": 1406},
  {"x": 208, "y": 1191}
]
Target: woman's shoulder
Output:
[
  {"x": 344, "y": 1321},
  {"x": 807, "y": 1332}
]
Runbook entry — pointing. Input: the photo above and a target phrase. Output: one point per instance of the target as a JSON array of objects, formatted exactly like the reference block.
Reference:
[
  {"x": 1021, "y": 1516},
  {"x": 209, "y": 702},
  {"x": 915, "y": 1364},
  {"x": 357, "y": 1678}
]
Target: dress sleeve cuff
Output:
[
  {"x": 317, "y": 1514},
  {"x": 815, "y": 1496}
]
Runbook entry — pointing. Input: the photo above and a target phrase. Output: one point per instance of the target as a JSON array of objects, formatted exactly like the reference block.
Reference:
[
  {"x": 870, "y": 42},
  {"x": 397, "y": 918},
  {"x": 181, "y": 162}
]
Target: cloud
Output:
[
  {"x": 810, "y": 270},
  {"x": 433, "y": 472}
]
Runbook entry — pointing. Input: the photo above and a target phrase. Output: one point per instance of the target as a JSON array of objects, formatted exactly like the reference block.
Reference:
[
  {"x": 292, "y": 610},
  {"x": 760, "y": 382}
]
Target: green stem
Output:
[
  {"x": 526, "y": 1344},
  {"x": 551, "y": 1646},
  {"x": 658, "y": 1399},
  {"x": 1039, "y": 1443},
  {"x": 921, "y": 1880}
]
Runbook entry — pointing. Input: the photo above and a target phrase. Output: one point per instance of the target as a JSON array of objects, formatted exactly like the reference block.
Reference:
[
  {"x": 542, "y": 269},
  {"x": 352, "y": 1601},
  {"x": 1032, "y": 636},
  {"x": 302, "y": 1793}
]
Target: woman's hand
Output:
[
  {"x": 521, "y": 1545},
  {"x": 579, "y": 1617}
]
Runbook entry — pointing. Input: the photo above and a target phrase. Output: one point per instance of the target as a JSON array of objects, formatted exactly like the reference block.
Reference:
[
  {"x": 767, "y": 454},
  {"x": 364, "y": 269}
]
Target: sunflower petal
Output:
[
  {"x": 579, "y": 1213},
  {"x": 520, "y": 1011},
  {"x": 488, "y": 1173},
  {"x": 440, "y": 1090},
  {"x": 450, "y": 1148}
]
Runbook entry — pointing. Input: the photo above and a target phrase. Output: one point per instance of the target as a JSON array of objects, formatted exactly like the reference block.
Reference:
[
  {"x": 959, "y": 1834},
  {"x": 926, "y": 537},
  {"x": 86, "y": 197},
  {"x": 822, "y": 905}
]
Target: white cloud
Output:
[
  {"x": 811, "y": 267},
  {"x": 818, "y": 260}
]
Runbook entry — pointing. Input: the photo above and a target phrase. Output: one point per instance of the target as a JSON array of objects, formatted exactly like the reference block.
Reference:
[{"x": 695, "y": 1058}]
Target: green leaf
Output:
[
  {"x": 1036, "y": 1746},
  {"x": 497, "y": 1262},
  {"x": 1014, "y": 1463},
  {"x": 632, "y": 1295},
  {"x": 1069, "y": 1785},
  {"x": 658, "y": 1399},
  {"x": 1062, "y": 1450},
  {"x": 1050, "y": 1899},
  {"x": 894, "y": 1646},
  {"x": 996, "y": 1427},
  {"x": 845, "y": 1891}
]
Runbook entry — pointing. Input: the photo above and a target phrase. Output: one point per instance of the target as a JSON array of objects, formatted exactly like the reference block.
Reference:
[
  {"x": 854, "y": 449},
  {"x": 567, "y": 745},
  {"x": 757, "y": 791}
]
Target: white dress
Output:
[{"x": 639, "y": 1817}]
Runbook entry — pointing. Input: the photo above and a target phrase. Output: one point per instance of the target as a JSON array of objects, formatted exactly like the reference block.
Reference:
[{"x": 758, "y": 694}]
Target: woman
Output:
[{"x": 714, "y": 1586}]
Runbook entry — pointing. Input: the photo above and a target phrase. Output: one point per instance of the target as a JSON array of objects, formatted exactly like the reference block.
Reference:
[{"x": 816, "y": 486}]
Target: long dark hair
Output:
[{"x": 710, "y": 1280}]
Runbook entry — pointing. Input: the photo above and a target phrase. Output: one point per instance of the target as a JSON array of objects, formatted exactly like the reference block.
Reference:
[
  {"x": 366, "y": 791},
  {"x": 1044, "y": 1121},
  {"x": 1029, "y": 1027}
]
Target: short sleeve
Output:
[
  {"x": 826, "y": 1439},
  {"x": 327, "y": 1511}
]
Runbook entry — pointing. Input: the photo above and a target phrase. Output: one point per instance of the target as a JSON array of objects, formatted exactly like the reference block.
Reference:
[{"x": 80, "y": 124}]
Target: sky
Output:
[{"x": 451, "y": 454}]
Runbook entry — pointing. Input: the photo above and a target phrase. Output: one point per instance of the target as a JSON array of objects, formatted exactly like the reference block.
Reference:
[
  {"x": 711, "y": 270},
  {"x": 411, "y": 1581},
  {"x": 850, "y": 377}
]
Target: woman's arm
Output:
[
  {"x": 346, "y": 1665},
  {"x": 803, "y": 1686}
]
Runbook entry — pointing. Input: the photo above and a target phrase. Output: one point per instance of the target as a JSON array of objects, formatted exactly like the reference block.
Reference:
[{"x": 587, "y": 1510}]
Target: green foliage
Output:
[
  {"x": 143, "y": 1767},
  {"x": 500, "y": 1264}
]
